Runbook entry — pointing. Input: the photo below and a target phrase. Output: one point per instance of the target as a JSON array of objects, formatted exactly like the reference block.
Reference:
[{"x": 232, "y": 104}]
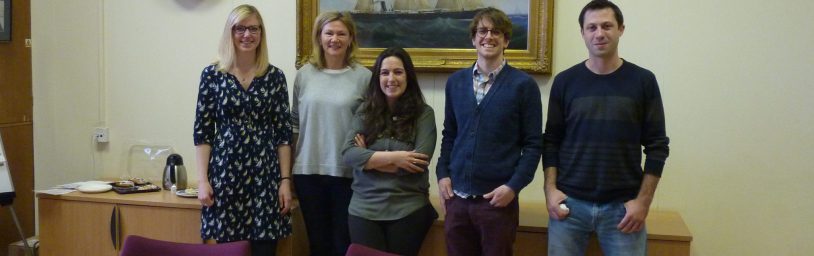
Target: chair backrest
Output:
[
  {"x": 142, "y": 246},
  {"x": 361, "y": 250}
]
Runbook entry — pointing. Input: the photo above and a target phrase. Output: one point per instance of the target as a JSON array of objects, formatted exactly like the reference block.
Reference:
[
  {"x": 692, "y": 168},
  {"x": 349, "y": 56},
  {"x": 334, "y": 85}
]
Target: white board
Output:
[{"x": 6, "y": 187}]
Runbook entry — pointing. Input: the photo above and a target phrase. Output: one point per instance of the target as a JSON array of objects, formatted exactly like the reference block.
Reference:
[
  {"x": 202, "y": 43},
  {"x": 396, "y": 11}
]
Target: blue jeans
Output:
[{"x": 570, "y": 236}]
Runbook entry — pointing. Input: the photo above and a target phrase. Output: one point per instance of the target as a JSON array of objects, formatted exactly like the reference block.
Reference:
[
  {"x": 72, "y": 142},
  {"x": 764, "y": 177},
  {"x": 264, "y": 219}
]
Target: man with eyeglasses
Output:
[{"x": 491, "y": 144}]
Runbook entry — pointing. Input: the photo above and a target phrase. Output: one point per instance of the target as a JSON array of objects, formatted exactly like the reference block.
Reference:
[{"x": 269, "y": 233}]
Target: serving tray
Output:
[{"x": 137, "y": 189}]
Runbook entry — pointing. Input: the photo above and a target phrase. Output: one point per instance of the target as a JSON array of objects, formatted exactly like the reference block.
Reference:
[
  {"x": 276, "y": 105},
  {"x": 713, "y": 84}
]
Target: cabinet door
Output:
[
  {"x": 161, "y": 223},
  {"x": 19, "y": 145},
  {"x": 16, "y": 100},
  {"x": 434, "y": 243},
  {"x": 530, "y": 243},
  {"x": 75, "y": 228}
]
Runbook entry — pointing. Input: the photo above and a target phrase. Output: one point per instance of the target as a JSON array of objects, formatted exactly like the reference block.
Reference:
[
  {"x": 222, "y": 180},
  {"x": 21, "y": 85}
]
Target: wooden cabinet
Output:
[
  {"x": 16, "y": 108},
  {"x": 667, "y": 235},
  {"x": 80, "y": 224},
  {"x": 97, "y": 224}
]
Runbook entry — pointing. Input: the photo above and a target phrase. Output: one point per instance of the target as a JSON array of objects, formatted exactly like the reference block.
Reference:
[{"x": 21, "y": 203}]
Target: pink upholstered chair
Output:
[
  {"x": 141, "y": 246},
  {"x": 361, "y": 250}
]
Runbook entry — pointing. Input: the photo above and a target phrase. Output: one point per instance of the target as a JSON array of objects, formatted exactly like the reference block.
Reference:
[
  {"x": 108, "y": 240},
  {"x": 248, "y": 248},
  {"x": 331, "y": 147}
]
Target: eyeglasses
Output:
[
  {"x": 482, "y": 32},
  {"x": 242, "y": 29}
]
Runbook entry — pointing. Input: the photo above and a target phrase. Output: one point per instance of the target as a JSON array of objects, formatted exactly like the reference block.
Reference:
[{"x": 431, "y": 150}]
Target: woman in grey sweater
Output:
[
  {"x": 389, "y": 147},
  {"x": 327, "y": 91}
]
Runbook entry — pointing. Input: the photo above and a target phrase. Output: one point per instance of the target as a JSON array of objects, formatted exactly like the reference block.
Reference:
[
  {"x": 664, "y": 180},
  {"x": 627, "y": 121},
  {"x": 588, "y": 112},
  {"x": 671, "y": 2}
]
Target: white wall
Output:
[{"x": 733, "y": 75}]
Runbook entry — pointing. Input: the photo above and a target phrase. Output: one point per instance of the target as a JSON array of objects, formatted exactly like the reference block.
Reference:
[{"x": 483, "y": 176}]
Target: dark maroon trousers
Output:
[{"x": 474, "y": 227}]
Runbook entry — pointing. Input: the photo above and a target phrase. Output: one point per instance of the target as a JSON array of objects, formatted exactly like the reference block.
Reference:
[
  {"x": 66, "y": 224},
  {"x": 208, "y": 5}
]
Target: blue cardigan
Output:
[{"x": 495, "y": 143}]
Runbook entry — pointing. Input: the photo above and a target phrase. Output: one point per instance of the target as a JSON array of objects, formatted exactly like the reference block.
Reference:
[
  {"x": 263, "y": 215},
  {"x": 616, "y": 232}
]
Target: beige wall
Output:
[{"x": 734, "y": 76}]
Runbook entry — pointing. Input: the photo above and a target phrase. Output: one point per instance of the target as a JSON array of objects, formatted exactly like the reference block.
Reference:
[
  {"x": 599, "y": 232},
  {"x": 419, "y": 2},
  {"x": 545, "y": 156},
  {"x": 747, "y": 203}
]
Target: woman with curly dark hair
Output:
[{"x": 389, "y": 147}]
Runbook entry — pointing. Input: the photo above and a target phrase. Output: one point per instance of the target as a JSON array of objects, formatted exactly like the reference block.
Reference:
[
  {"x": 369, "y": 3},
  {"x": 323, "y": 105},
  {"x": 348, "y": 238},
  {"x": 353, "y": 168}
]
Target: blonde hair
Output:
[
  {"x": 226, "y": 50},
  {"x": 317, "y": 53}
]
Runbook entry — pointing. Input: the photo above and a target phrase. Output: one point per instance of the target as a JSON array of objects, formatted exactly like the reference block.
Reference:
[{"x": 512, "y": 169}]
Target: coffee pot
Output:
[{"x": 174, "y": 173}]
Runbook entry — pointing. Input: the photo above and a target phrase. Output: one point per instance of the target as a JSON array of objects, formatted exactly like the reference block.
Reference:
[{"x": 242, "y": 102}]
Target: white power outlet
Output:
[{"x": 101, "y": 134}]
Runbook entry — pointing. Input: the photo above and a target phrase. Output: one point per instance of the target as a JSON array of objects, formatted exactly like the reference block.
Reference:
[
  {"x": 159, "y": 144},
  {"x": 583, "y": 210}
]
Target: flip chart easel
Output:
[{"x": 7, "y": 195}]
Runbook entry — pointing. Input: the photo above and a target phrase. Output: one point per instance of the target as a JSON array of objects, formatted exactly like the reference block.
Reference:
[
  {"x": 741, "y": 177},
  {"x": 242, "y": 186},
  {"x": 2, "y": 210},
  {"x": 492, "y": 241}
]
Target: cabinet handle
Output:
[{"x": 114, "y": 227}]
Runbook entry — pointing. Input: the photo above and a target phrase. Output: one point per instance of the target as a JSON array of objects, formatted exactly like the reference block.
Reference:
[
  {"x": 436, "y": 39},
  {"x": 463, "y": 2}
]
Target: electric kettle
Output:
[{"x": 174, "y": 173}]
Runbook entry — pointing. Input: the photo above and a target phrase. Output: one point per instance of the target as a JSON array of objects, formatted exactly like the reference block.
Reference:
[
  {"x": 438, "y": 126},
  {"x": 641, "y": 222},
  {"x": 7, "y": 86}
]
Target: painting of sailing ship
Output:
[
  {"x": 426, "y": 23},
  {"x": 435, "y": 31}
]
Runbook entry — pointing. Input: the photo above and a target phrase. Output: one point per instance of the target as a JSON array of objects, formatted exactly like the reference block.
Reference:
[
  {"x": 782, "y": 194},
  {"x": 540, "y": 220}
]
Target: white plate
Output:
[
  {"x": 94, "y": 188},
  {"x": 183, "y": 193}
]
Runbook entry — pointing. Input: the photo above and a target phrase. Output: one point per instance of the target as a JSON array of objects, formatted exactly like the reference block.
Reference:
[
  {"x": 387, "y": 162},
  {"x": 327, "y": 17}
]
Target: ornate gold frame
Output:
[{"x": 537, "y": 59}]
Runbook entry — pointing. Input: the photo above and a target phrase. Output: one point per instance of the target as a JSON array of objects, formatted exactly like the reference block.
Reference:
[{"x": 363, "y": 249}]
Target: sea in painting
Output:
[
  {"x": 422, "y": 24},
  {"x": 437, "y": 32}
]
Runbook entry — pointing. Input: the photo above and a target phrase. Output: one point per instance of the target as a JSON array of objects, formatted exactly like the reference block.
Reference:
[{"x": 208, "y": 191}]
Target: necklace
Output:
[{"x": 244, "y": 77}]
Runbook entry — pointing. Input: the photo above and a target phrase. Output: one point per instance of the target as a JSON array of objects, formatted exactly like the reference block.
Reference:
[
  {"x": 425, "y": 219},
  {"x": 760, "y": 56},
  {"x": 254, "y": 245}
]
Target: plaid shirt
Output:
[{"x": 482, "y": 82}]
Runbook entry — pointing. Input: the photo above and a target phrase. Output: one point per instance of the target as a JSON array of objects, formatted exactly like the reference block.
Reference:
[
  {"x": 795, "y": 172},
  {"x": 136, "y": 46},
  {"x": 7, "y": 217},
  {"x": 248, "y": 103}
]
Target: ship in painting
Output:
[{"x": 371, "y": 10}]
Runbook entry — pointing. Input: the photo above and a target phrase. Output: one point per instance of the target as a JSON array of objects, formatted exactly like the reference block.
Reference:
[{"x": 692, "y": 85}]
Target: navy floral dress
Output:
[{"x": 244, "y": 128}]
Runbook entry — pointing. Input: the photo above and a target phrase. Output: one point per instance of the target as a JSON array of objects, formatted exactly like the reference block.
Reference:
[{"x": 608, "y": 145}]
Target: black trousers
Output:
[
  {"x": 402, "y": 236},
  {"x": 324, "y": 203}
]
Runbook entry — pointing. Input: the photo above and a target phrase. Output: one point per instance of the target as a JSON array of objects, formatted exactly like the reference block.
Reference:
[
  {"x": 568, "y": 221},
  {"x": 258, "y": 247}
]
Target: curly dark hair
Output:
[{"x": 377, "y": 118}]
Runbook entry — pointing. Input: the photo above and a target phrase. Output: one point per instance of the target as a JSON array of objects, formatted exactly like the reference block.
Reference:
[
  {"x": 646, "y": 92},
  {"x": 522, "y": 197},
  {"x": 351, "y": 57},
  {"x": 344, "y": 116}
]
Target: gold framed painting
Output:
[{"x": 435, "y": 32}]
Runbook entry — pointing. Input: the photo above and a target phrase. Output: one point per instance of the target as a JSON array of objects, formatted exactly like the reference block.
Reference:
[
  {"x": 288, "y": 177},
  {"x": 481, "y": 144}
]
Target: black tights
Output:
[
  {"x": 324, "y": 204},
  {"x": 402, "y": 236},
  {"x": 263, "y": 247}
]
